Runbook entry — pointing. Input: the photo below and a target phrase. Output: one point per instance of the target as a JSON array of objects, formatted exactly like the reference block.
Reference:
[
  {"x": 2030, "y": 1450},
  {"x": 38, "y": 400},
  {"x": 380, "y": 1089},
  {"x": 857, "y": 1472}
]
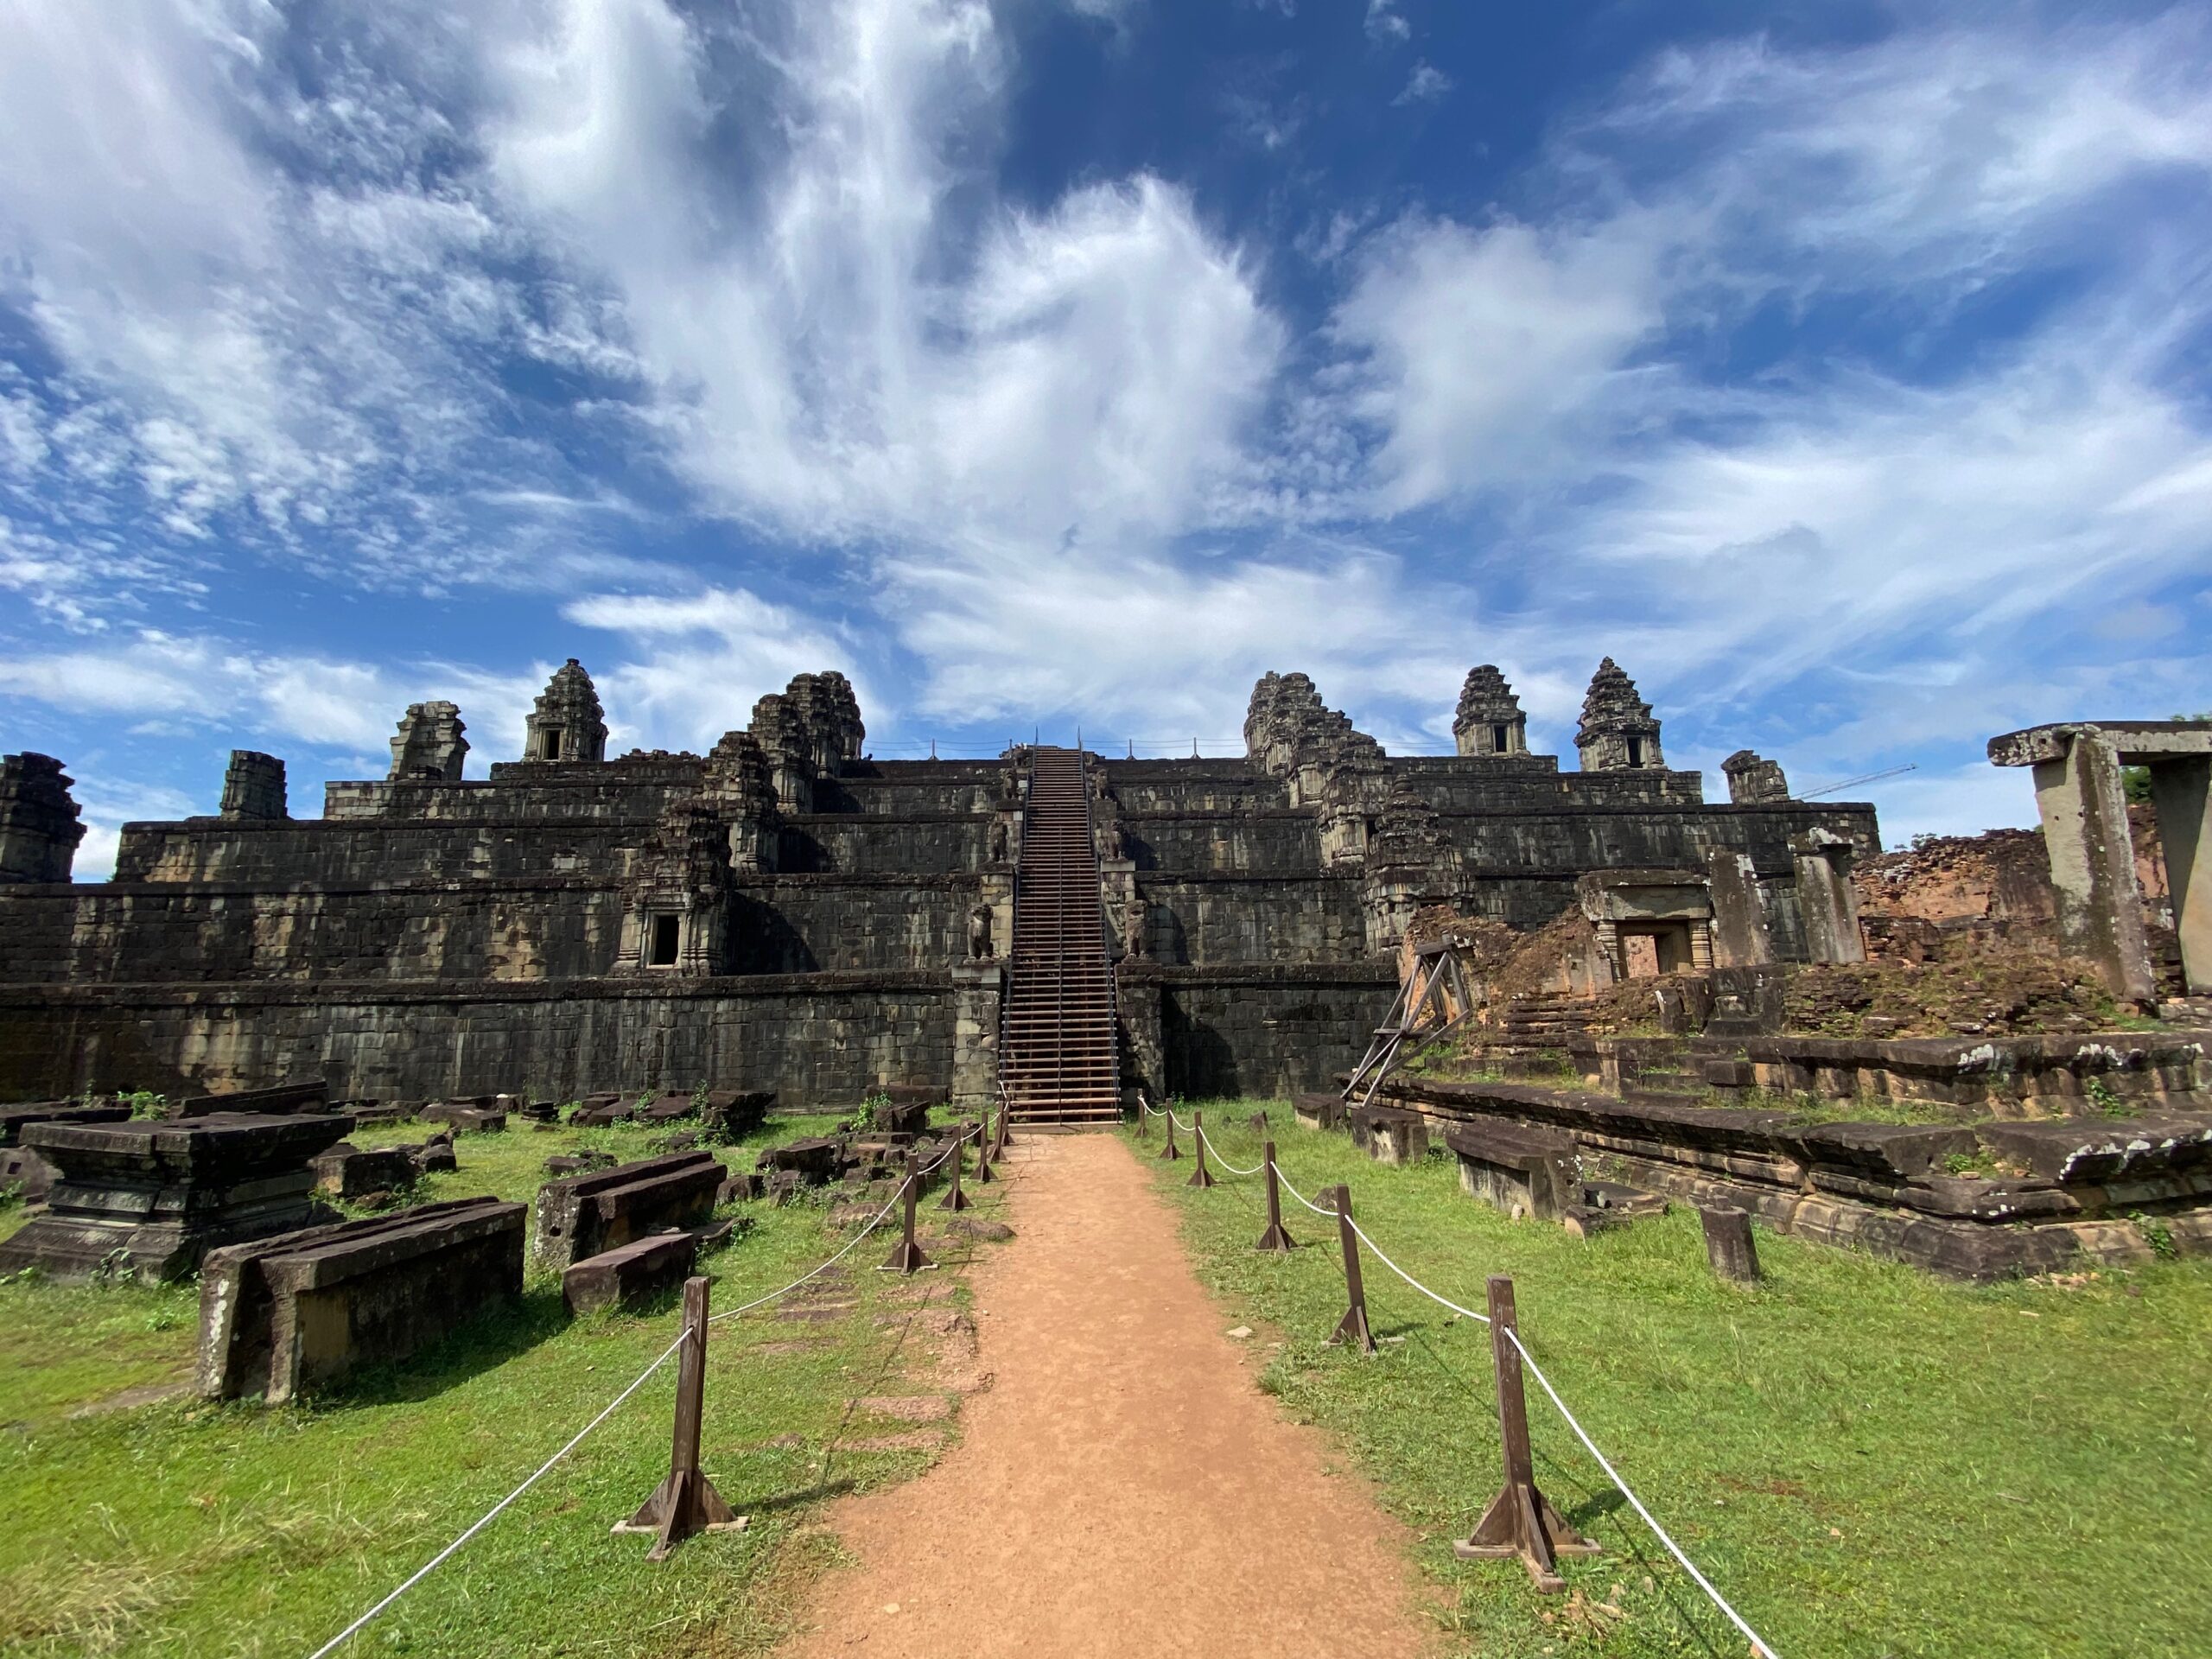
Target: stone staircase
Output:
[{"x": 1058, "y": 1054}]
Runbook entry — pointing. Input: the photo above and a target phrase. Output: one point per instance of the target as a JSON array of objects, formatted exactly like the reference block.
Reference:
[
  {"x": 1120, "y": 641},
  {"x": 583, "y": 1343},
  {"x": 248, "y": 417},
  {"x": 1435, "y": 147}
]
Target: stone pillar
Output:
[
  {"x": 38, "y": 830},
  {"x": 2180, "y": 793},
  {"x": 253, "y": 787},
  {"x": 1826, "y": 897},
  {"x": 976, "y": 987},
  {"x": 1740, "y": 938},
  {"x": 2083, "y": 805}
]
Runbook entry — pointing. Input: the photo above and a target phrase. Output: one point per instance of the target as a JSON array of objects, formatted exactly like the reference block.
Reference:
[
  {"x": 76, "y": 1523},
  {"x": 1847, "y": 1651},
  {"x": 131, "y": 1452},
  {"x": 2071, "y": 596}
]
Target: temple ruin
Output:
[{"x": 786, "y": 913}]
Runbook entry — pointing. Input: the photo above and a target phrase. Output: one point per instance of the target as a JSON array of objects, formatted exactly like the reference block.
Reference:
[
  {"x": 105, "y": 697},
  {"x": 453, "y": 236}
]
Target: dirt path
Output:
[{"x": 1122, "y": 1487}]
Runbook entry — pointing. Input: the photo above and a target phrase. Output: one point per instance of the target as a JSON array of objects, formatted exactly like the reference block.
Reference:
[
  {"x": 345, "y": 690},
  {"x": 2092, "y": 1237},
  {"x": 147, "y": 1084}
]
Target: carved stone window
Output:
[{"x": 661, "y": 949}]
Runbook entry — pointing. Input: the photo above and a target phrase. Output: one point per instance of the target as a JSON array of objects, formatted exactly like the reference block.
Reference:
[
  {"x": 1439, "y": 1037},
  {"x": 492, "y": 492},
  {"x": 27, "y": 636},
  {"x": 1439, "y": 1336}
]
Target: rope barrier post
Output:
[
  {"x": 1203, "y": 1176},
  {"x": 907, "y": 1255},
  {"x": 1520, "y": 1520},
  {"x": 1353, "y": 1327},
  {"x": 983, "y": 1175},
  {"x": 955, "y": 1200},
  {"x": 686, "y": 1503},
  {"x": 1144, "y": 1129},
  {"x": 1274, "y": 1238},
  {"x": 1006, "y": 1126},
  {"x": 1169, "y": 1155}
]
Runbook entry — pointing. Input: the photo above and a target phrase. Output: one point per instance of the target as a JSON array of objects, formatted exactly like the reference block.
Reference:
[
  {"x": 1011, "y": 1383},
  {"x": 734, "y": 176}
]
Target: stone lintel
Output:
[{"x": 2136, "y": 742}]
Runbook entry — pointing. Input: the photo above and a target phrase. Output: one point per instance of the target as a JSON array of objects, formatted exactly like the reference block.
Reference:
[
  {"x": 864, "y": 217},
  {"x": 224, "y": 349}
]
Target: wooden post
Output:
[
  {"x": 1728, "y": 1245},
  {"x": 1006, "y": 1129},
  {"x": 1274, "y": 1238},
  {"x": 907, "y": 1255},
  {"x": 1353, "y": 1327},
  {"x": 983, "y": 1175},
  {"x": 956, "y": 1200},
  {"x": 1204, "y": 1177},
  {"x": 686, "y": 1503},
  {"x": 1520, "y": 1520},
  {"x": 1168, "y": 1155}
]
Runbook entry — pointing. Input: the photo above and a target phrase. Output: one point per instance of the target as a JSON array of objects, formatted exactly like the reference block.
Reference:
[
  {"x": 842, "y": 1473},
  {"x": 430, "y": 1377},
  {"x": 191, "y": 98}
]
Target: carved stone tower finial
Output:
[
  {"x": 38, "y": 830},
  {"x": 430, "y": 745},
  {"x": 253, "y": 787},
  {"x": 1490, "y": 720},
  {"x": 567, "y": 725},
  {"x": 1753, "y": 780},
  {"x": 1618, "y": 732}
]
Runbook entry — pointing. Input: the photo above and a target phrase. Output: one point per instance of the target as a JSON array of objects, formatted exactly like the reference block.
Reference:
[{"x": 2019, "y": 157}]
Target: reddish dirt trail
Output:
[{"x": 1122, "y": 1487}]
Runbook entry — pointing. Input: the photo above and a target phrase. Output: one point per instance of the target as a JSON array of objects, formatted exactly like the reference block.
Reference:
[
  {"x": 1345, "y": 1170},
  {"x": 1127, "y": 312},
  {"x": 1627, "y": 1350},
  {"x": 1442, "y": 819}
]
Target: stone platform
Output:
[
  {"x": 151, "y": 1198},
  {"x": 1974, "y": 1201}
]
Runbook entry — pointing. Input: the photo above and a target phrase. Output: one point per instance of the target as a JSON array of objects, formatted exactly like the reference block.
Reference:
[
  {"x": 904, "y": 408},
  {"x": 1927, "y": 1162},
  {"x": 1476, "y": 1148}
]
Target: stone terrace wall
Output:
[
  {"x": 1267, "y": 1034},
  {"x": 803, "y": 924},
  {"x": 1275, "y": 842},
  {"x": 156, "y": 934},
  {"x": 877, "y": 844},
  {"x": 1218, "y": 919},
  {"x": 816, "y": 1038},
  {"x": 314, "y": 853}
]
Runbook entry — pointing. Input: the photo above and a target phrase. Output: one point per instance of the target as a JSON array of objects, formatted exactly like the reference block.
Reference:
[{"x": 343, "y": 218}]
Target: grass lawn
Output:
[
  {"x": 178, "y": 1528},
  {"x": 1865, "y": 1459}
]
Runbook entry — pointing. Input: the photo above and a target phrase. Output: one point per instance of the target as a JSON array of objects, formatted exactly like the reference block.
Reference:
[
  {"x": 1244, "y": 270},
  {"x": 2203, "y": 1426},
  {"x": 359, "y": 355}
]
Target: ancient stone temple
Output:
[{"x": 786, "y": 912}]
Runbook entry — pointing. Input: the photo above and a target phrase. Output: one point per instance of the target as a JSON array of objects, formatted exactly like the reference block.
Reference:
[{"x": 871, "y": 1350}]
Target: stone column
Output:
[
  {"x": 1825, "y": 896},
  {"x": 1740, "y": 938},
  {"x": 976, "y": 991},
  {"x": 2083, "y": 806},
  {"x": 2180, "y": 793},
  {"x": 253, "y": 787},
  {"x": 38, "y": 830}
]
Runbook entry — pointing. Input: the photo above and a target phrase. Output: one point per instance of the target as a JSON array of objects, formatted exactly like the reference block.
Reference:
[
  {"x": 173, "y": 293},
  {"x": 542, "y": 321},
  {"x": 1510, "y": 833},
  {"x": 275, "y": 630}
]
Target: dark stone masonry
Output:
[{"x": 787, "y": 914}]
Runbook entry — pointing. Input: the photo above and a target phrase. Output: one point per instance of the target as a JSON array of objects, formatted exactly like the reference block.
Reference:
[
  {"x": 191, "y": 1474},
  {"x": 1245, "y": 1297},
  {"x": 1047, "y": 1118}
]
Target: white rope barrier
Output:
[
  {"x": 485, "y": 1519},
  {"x": 1178, "y": 1121},
  {"x": 1287, "y": 1187},
  {"x": 1224, "y": 1162},
  {"x": 544, "y": 1469},
  {"x": 1760, "y": 1646},
  {"x": 1445, "y": 1301}
]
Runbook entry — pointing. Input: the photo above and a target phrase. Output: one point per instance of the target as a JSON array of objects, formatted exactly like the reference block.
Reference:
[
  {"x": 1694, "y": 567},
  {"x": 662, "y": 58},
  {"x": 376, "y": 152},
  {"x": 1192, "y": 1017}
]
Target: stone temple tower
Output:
[
  {"x": 1490, "y": 720},
  {"x": 566, "y": 724},
  {"x": 39, "y": 831},
  {"x": 1618, "y": 732}
]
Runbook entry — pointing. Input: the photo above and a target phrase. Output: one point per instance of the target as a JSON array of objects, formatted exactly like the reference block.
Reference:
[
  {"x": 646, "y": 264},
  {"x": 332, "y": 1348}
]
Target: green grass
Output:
[
  {"x": 180, "y": 1527},
  {"x": 1866, "y": 1461}
]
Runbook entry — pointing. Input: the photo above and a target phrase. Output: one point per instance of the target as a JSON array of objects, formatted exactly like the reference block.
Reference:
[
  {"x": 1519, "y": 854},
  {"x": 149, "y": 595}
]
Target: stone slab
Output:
[{"x": 629, "y": 1274}]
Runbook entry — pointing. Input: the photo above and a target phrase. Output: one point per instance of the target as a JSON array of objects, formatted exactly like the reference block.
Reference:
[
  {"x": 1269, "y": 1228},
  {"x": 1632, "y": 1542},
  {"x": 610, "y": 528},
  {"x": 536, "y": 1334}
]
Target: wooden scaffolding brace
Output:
[{"x": 1422, "y": 1012}]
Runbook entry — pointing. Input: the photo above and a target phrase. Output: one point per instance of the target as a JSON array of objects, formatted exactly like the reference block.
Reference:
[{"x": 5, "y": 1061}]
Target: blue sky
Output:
[{"x": 1842, "y": 371}]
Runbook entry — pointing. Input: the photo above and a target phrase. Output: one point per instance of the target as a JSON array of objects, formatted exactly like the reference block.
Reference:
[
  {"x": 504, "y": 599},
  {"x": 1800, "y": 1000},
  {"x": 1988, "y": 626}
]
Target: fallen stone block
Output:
[
  {"x": 629, "y": 1274},
  {"x": 1516, "y": 1169},
  {"x": 281, "y": 1316},
  {"x": 578, "y": 1163},
  {"x": 667, "y": 1108},
  {"x": 815, "y": 1158},
  {"x": 597, "y": 1111},
  {"x": 466, "y": 1115},
  {"x": 731, "y": 1113},
  {"x": 26, "y": 1175},
  {"x": 582, "y": 1215},
  {"x": 151, "y": 1198},
  {"x": 307, "y": 1094},
  {"x": 900, "y": 1117},
  {"x": 739, "y": 1189},
  {"x": 348, "y": 1171},
  {"x": 1319, "y": 1111},
  {"x": 14, "y": 1119},
  {"x": 1389, "y": 1135},
  {"x": 540, "y": 1111},
  {"x": 436, "y": 1156}
]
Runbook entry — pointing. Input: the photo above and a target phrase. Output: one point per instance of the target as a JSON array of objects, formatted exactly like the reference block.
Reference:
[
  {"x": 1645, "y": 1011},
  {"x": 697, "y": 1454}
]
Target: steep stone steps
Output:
[{"x": 1058, "y": 1055}]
